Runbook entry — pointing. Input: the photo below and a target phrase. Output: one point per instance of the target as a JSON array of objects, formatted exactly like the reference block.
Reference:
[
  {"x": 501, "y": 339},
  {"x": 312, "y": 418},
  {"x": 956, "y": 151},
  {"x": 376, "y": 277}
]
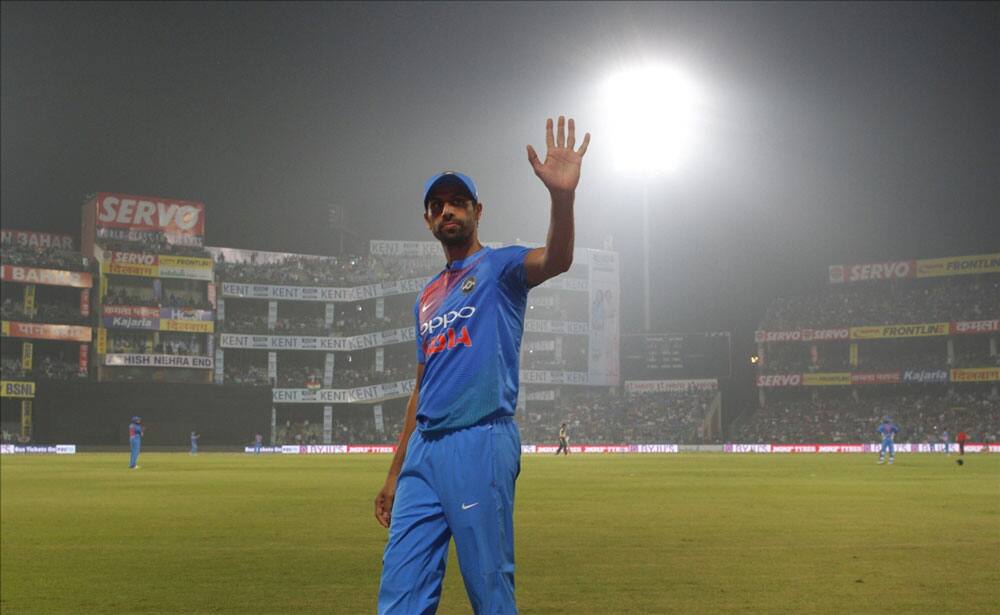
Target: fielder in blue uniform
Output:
[
  {"x": 135, "y": 440},
  {"x": 888, "y": 431},
  {"x": 194, "y": 442},
  {"x": 459, "y": 454}
]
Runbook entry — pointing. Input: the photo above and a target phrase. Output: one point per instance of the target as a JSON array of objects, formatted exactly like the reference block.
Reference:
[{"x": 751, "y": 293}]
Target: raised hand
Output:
[{"x": 561, "y": 170}]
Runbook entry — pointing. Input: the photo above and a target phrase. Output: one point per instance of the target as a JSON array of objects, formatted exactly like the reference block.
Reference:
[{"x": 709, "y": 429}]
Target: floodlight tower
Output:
[{"x": 651, "y": 115}]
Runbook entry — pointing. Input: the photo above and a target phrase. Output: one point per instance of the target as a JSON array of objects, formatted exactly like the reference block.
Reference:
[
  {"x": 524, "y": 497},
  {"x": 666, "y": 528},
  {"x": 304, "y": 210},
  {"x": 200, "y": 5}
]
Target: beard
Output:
[{"x": 455, "y": 236}]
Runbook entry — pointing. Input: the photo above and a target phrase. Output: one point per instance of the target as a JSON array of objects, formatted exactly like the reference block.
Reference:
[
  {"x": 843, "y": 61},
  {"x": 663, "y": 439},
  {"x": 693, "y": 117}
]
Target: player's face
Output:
[{"x": 452, "y": 215}]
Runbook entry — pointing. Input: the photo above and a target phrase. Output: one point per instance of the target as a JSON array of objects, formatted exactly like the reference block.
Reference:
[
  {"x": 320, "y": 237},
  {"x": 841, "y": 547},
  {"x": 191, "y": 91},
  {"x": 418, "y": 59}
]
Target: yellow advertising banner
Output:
[
  {"x": 958, "y": 265},
  {"x": 896, "y": 331},
  {"x": 187, "y": 262},
  {"x": 187, "y": 326},
  {"x": 16, "y": 388},
  {"x": 5, "y": 328},
  {"x": 102, "y": 341},
  {"x": 146, "y": 271},
  {"x": 29, "y": 299},
  {"x": 976, "y": 374},
  {"x": 27, "y": 356},
  {"x": 26, "y": 418},
  {"x": 854, "y": 354},
  {"x": 826, "y": 379}
]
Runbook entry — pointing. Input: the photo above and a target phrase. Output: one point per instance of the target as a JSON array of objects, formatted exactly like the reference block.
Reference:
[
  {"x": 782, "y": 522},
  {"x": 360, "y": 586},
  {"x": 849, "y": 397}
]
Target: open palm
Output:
[{"x": 561, "y": 170}]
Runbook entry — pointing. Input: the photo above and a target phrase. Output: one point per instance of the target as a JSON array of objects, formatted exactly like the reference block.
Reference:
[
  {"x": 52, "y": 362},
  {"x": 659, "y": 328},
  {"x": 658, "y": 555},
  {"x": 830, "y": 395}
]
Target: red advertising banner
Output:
[
  {"x": 130, "y": 311},
  {"x": 68, "y": 333},
  {"x": 84, "y": 357},
  {"x": 975, "y": 326},
  {"x": 145, "y": 213},
  {"x": 85, "y": 302},
  {"x": 33, "y": 239},
  {"x": 51, "y": 277},
  {"x": 890, "y": 270}
]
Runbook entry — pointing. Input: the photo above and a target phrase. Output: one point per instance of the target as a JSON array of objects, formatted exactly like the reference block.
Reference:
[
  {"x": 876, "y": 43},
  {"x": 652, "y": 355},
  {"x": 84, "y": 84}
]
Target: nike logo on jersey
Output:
[
  {"x": 468, "y": 506},
  {"x": 425, "y": 308}
]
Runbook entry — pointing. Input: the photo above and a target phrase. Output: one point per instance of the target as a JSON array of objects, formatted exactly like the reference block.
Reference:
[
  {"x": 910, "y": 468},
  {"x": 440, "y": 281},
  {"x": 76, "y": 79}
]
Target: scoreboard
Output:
[{"x": 669, "y": 356}]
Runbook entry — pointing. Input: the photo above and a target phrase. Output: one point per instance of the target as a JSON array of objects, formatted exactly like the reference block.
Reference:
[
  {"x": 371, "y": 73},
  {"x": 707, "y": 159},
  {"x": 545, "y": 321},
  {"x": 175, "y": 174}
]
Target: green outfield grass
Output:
[{"x": 696, "y": 533}]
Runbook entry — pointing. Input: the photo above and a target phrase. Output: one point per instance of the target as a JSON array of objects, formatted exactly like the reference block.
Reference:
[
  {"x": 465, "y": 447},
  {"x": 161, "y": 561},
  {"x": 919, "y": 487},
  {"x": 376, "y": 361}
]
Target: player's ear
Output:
[
  {"x": 479, "y": 210},
  {"x": 427, "y": 220}
]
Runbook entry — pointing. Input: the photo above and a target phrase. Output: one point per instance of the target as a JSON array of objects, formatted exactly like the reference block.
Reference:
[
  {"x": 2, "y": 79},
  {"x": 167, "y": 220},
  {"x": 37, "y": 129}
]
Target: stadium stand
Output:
[{"x": 921, "y": 350}]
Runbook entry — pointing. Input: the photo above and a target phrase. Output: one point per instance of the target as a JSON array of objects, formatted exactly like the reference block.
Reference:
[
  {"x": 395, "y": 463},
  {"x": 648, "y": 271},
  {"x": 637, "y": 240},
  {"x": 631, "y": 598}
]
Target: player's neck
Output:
[{"x": 463, "y": 251}]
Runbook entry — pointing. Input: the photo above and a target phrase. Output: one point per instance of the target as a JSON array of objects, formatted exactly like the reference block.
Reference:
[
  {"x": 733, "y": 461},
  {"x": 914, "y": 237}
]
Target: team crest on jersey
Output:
[{"x": 469, "y": 284}]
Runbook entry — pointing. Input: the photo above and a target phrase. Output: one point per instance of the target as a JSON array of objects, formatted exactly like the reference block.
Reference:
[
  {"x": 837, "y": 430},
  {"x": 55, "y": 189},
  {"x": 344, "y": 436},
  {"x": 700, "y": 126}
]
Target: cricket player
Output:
[
  {"x": 888, "y": 431},
  {"x": 459, "y": 453},
  {"x": 258, "y": 441},
  {"x": 135, "y": 441},
  {"x": 563, "y": 441},
  {"x": 194, "y": 442}
]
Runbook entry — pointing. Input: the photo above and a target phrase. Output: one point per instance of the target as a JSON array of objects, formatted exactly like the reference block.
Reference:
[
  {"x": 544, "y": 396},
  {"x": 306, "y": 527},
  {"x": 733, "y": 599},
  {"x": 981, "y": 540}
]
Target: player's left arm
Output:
[{"x": 560, "y": 173}]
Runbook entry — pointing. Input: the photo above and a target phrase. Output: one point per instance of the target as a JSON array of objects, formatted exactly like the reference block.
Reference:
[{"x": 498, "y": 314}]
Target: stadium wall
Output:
[{"x": 97, "y": 414}]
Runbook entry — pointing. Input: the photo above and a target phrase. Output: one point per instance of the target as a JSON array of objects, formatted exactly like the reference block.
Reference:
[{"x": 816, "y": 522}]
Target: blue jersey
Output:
[
  {"x": 134, "y": 430},
  {"x": 469, "y": 320},
  {"x": 888, "y": 431}
]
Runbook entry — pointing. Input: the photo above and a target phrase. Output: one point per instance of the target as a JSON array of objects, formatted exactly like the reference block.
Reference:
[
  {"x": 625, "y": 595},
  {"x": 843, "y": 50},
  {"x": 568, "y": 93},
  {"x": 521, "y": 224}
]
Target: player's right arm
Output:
[{"x": 385, "y": 497}]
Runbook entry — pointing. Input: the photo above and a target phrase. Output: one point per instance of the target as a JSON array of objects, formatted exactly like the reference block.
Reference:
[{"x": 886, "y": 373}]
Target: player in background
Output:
[
  {"x": 888, "y": 431},
  {"x": 961, "y": 438},
  {"x": 946, "y": 438},
  {"x": 563, "y": 441},
  {"x": 135, "y": 441},
  {"x": 194, "y": 442},
  {"x": 258, "y": 441}
]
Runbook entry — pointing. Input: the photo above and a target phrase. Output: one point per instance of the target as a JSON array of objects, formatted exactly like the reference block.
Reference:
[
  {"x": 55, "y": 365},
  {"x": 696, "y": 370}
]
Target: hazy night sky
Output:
[{"x": 830, "y": 133}]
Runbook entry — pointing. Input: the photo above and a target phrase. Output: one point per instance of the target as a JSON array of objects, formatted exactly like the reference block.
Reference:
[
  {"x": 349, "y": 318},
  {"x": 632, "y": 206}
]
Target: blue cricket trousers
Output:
[
  {"x": 135, "y": 443},
  {"x": 458, "y": 484}
]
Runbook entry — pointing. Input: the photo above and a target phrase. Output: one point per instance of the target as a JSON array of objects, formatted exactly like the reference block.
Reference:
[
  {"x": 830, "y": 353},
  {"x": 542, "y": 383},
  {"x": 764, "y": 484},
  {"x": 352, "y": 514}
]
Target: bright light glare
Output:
[{"x": 651, "y": 115}]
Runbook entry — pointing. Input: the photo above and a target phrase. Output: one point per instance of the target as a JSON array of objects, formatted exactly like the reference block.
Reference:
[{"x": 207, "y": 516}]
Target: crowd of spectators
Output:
[
  {"x": 252, "y": 375},
  {"x": 311, "y": 377},
  {"x": 45, "y": 258},
  {"x": 51, "y": 313},
  {"x": 43, "y": 368},
  {"x": 132, "y": 297},
  {"x": 596, "y": 417},
  {"x": 153, "y": 244},
  {"x": 841, "y": 417},
  {"x": 914, "y": 301},
  {"x": 328, "y": 271}
]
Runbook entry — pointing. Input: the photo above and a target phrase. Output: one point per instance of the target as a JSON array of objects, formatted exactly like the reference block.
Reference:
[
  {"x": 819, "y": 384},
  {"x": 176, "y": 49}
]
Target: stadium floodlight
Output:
[{"x": 651, "y": 113}]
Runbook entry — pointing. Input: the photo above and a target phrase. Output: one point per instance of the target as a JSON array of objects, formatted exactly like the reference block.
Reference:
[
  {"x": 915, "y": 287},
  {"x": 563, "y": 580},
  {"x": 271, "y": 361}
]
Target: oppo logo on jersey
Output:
[
  {"x": 446, "y": 320},
  {"x": 448, "y": 338}
]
